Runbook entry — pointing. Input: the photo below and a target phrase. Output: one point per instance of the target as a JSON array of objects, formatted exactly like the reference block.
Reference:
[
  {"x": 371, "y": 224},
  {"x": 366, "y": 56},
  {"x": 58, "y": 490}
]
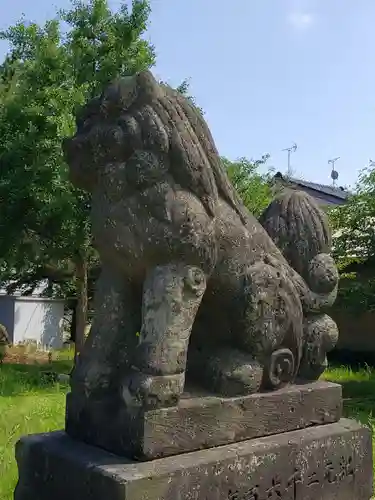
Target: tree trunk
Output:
[{"x": 81, "y": 307}]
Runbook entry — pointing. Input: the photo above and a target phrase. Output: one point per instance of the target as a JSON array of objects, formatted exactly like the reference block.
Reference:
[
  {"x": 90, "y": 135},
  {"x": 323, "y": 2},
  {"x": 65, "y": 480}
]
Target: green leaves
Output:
[
  {"x": 103, "y": 45},
  {"x": 253, "y": 187},
  {"x": 354, "y": 222},
  {"x": 354, "y": 245},
  {"x": 46, "y": 77}
]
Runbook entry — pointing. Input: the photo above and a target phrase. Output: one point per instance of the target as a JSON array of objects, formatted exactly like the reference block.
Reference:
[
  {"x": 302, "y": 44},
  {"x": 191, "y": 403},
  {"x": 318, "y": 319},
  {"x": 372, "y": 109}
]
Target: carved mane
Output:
[{"x": 146, "y": 115}]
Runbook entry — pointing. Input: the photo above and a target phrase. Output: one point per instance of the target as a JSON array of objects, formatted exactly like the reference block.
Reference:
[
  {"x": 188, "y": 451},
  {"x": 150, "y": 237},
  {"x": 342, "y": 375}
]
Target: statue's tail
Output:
[{"x": 300, "y": 229}]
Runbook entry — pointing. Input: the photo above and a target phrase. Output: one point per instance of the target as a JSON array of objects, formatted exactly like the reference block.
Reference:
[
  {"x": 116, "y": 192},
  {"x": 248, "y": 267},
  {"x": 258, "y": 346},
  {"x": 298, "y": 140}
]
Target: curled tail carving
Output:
[
  {"x": 301, "y": 231},
  {"x": 298, "y": 227}
]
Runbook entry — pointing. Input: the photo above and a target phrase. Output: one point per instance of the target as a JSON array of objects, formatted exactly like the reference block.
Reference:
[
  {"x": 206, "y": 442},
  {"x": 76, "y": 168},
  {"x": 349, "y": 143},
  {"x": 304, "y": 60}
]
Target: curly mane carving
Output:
[{"x": 137, "y": 113}]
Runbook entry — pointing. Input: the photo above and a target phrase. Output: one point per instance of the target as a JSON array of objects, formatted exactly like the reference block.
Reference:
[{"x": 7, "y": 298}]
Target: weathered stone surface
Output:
[
  {"x": 330, "y": 462},
  {"x": 204, "y": 421},
  {"x": 192, "y": 285},
  {"x": 301, "y": 230},
  {"x": 320, "y": 336}
]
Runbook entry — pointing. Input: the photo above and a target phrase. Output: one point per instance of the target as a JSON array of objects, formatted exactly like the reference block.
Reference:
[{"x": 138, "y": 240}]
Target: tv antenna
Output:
[
  {"x": 334, "y": 173},
  {"x": 290, "y": 150}
]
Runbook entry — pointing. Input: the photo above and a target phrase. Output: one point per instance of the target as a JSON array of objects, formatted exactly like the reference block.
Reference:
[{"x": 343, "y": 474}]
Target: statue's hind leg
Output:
[
  {"x": 265, "y": 346},
  {"x": 272, "y": 324},
  {"x": 215, "y": 361},
  {"x": 225, "y": 370},
  {"x": 171, "y": 297}
]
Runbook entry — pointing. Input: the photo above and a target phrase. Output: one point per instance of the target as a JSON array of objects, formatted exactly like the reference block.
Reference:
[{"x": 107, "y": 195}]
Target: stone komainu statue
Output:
[{"x": 192, "y": 285}]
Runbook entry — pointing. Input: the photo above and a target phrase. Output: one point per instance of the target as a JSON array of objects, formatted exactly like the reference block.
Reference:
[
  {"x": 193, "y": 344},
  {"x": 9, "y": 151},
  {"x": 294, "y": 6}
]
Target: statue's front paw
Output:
[{"x": 152, "y": 391}]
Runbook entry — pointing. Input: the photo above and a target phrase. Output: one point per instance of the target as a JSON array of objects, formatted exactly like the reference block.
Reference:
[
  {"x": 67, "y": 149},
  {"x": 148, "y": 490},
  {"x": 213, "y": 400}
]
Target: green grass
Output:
[
  {"x": 358, "y": 388},
  {"x": 31, "y": 403}
]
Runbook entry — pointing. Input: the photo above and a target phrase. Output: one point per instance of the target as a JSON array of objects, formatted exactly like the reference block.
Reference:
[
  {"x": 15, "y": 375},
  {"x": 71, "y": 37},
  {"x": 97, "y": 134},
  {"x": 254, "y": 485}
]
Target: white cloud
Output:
[{"x": 301, "y": 20}]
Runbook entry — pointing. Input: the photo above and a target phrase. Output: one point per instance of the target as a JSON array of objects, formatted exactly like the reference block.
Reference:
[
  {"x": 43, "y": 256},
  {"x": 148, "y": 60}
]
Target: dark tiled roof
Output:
[
  {"x": 338, "y": 192},
  {"x": 330, "y": 190}
]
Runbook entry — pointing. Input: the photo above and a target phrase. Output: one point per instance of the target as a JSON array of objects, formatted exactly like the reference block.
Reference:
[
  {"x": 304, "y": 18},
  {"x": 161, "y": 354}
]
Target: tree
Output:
[
  {"x": 354, "y": 244},
  {"x": 254, "y": 188},
  {"x": 46, "y": 77},
  {"x": 353, "y": 222}
]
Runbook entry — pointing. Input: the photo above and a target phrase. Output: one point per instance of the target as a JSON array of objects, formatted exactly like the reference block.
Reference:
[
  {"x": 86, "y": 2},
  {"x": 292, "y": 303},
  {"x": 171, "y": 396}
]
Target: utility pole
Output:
[
  {"x": 334, "y": 173},
  {"x": 290, "y": 150}
]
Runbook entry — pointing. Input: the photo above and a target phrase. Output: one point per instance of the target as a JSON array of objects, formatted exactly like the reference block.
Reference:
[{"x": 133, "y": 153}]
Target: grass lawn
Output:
[{"x": 31, "y": 403}]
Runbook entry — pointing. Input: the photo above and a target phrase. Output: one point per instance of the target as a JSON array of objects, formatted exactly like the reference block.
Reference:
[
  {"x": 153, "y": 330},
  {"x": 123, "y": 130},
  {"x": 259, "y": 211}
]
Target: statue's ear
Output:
[
  {"x": 117, "y": 97},
  {"x": 148, "y": 88}
]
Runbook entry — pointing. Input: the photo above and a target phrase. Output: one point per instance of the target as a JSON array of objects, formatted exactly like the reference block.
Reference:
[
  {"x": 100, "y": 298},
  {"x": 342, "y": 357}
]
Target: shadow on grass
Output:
[
  {"x": 355, "y": 359},
  {"x": 16, "y": 379},
  {"x": 359, "y": 396}
]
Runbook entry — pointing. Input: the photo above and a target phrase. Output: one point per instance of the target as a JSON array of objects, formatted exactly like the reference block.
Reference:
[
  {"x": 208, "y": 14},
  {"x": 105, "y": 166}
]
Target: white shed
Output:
[{"x": 33, "y": 319}]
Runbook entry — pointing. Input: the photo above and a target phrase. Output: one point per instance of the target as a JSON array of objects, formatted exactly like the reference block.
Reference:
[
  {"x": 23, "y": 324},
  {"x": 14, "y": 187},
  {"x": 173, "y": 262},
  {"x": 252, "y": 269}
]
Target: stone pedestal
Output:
[
  {"x": 290, "y": 444},
  {"x": 202, "y": 420},
  {"x": 325, "y": 462}
]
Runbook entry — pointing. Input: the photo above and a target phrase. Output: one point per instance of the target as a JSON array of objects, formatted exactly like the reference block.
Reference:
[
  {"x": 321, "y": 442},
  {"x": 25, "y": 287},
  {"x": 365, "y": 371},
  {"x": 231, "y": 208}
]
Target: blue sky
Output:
[{"x": 267, "y": 73}]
